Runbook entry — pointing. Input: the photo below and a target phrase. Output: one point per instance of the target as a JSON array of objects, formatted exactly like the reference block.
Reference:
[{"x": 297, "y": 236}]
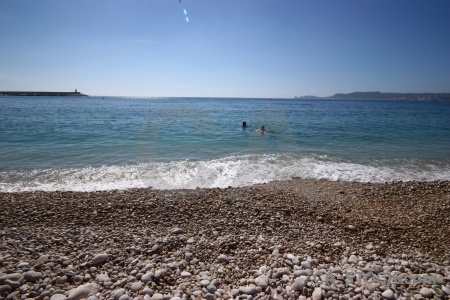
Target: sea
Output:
[{"x": 108, "y": 143}]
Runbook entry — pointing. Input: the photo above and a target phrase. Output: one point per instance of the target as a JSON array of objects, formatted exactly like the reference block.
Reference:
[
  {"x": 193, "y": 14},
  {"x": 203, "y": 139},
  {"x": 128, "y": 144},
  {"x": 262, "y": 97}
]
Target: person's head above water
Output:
[
  {"x": 244, "y": 124},
  {"x": 263, "y": 128}
]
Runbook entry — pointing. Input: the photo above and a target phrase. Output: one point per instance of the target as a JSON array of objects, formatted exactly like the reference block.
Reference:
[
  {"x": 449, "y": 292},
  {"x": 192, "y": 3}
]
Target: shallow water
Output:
[{"x": 94, "y": 143}]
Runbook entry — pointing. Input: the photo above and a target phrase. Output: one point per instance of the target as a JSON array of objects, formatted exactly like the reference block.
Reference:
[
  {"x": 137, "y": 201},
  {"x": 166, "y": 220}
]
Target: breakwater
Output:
[{"x": 19, "y": 93}]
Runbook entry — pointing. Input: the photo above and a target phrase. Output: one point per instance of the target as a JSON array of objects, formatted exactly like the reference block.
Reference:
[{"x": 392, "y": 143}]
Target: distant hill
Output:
[{"x": 384, "y": 96}]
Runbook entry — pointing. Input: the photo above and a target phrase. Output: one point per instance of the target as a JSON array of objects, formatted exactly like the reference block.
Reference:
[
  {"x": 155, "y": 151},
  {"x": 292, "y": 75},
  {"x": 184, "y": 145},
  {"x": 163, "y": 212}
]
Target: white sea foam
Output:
[{"x": 221, "y": 172}]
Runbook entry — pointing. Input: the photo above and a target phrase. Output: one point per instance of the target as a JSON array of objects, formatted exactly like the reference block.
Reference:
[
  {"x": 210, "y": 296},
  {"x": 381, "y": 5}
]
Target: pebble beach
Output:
[{"x": 296, "y": 239}]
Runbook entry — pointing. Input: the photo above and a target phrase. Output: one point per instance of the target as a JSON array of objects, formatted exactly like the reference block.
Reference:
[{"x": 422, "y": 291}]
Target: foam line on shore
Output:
[{"x": 234, "y": 171}]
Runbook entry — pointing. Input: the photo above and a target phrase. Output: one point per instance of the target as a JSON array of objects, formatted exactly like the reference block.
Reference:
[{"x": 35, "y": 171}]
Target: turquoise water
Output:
[{"x": 94, "y": 143}]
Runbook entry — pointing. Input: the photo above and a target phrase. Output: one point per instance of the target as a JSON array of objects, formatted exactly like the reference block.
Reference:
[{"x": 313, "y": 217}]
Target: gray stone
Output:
[
  {"x": 298, "y": 284},
  {"x": 147, "y": 291},
  {"x": 82, "y": 291},
  {"x": 42, "y": 260},
  {"x": 23, "y": 265},
  {"x": 353, "y": 259},
  {"x": 157, "y": 296},
  {"x": 306, "y": 264},
  {"x": 223, "y": 259},
  {"x": 5, "y": 289},
  {"x": 12, "y": 276},
  {"x": 147, "y": 277},
  {"x": 426, "y": 293},
  {"x": 211, "y": 289},
  {"x": 377, "y": 269},
  {"x": 58, "y": 297},
  {"x": 147, "y": 297},
  {"x": 77, "y": 279},
  {"x": 100, "y": 258},
  {"x": 205, "y": 282},
  {"x": 248, "y": 290},
  {"x": 93, "y": 297},
  {"x": 405, "y": 264},
  {"x": 317, "y": 294},
  {"x": 209, "y": 297},
  {"x": 157, "y": 275},
  {"x": 119, "y": 293},
  {"x": 176, "y": 230},
  {"x": 369, "y": 246},
  {"x": 234, "y": 293},
  {"x": 388, "y": 294},
  {"x": 136, "y": 286},
  {"x": 13, "y": 284},
  {"x": 124, "y": 297},
  {"x": 262, "y": 281},
  {"x": 446, "y": 290},
  {"x": 185, "y": 274},
  {"x": 103, "y": 277}
]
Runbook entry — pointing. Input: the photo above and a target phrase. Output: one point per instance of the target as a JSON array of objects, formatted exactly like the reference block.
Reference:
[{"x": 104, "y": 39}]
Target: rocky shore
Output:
[{"x": 297, "y": 239}]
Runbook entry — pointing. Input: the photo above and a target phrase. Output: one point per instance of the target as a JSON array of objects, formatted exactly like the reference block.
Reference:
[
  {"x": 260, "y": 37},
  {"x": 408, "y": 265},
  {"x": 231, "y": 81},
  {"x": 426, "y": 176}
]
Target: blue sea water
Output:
[{"x": 102, "y": 143}]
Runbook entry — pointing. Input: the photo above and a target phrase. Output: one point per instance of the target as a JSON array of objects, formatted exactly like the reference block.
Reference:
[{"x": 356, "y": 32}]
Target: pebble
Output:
[
  {"x": 5, "y": 289},
  {"x": 388, "y": 294},
  {"x": 298, "y": 284},
  {"x": 124, "y": 297},
  {"x": 157, "y": 296},
  {"x": 223, "y": 259},
  {"x": 446, "y": 290},
  {"x": 147, "y": 291},
  {"x": 136, "y": 286},
  {"x": 353, "y": 259},
  {"x": 42, "y": 260},
  {"x": 211, "y": 258},
  {"x": 103, "y": 277},
  {"x": 82, "y": 291},
  {"x": 176, "y": 230},
  {"x": 119, "y": 293},
  {"x": 262, "y": 281},
  {"x": 13, "y": 284},
  {"x": 185, "y": 274},
  {"x": 248, "y": 290},
  {"x": 147, "y": 277},
  {"x": 100, "y": 258},
  {"x": 205, "y": 282},
  {"x": 317, "y": 294},
  {"x": 306, "y": 265},
  {"x": 425, "y": 292},
  {"x": 78, "y": 279}
]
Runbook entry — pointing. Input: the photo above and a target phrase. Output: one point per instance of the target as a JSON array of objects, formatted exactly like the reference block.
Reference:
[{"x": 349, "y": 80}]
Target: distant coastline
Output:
[
  {"x": 384, "y": 96},
  {"x": 52, "y": 94}
]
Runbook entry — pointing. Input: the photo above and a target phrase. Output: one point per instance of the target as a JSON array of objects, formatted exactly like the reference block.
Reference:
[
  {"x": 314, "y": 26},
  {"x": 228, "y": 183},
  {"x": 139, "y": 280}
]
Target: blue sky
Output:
[{"x": 229, "y": 48}]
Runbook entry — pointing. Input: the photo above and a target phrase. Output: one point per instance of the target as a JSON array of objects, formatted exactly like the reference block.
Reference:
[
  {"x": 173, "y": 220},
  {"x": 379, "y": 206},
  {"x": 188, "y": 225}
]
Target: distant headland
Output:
[
  {"x": 56, "y": 94},
  {"x": 384, "y": 96}
]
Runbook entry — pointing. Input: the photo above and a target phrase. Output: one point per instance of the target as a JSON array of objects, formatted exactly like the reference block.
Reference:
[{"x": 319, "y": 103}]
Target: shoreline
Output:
[{"x": 235, "y": 235}]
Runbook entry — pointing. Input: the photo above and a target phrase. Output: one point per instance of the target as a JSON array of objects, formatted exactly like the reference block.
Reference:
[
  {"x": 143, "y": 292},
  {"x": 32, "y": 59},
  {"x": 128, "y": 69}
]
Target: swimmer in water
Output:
[{"x": 262, "y": 129}]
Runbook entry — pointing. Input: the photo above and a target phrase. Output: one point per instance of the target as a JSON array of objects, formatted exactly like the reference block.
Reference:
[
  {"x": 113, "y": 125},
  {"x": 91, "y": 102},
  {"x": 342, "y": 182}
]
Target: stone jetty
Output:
[{"x": 297, "y": 239}]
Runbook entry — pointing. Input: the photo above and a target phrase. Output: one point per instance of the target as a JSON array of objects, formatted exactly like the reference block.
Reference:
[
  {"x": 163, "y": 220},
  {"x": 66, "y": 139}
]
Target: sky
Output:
[{"x": 225, "y": 48}]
